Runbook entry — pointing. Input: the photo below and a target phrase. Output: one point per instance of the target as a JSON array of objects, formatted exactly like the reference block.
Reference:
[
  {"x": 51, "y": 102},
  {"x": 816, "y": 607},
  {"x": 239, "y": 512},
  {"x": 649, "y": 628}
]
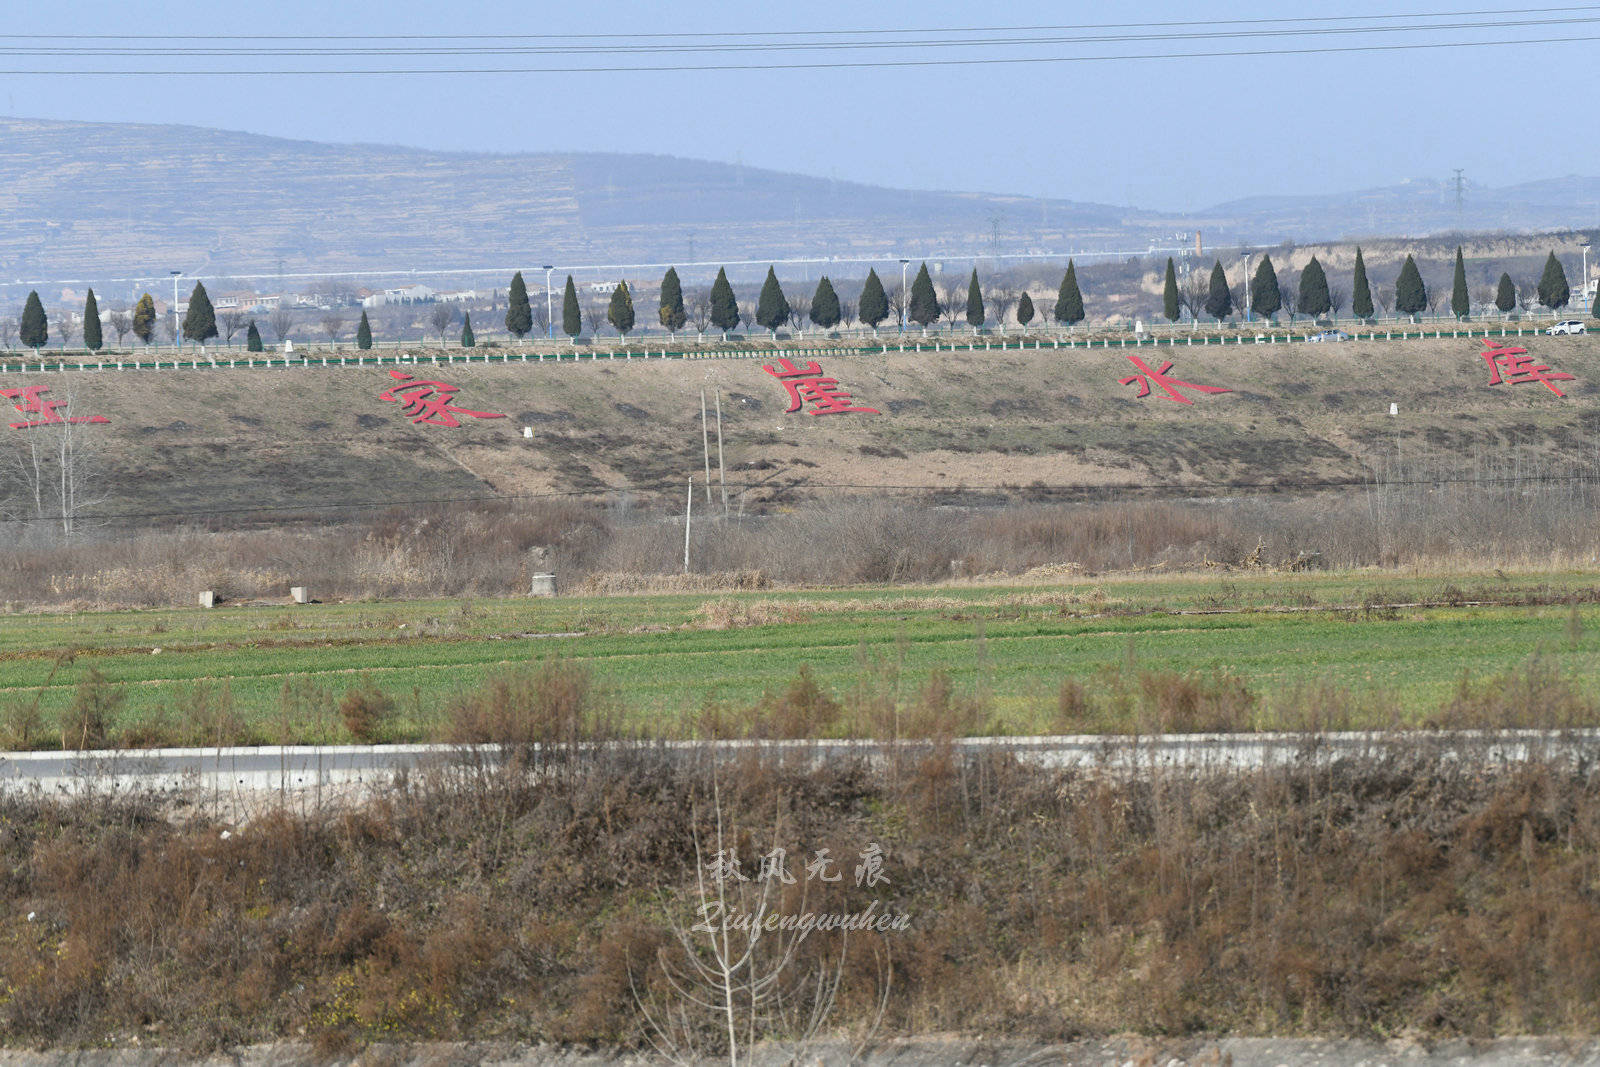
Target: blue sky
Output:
[{"x": 1164, "y": 133}]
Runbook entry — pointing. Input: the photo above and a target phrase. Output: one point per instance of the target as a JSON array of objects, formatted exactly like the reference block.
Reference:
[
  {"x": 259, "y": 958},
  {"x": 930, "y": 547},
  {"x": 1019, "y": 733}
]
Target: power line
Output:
[
  {"x": 566, "y": 47},
  {"x": 1389, "y": 17},
  {"x": 840, "y": 64}
]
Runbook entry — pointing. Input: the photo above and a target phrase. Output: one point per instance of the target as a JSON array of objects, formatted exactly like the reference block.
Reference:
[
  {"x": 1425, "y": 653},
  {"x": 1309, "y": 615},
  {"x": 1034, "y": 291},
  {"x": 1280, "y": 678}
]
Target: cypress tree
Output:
[
  {"x": 1410, "y": 295},
  {"x": 1314, "y": 298},
  {"x": 1219, "y": 299},
  {"x": 1595, "y": 310},
  {"x": 620, "y": 313},
  {"x": 571, "y": 314},
  {"x": 1170, "y": 306},
  {"x": 1460, "y": 302},
  {"x": 364, "y": 332},
  {"x": 93, "y": 339},
  {"x": 144, "y": 318},
  {"x": 924, "y": 306},
  {"x": 1553, "y": 290},
  {"x": 825, "y": 305},
  {"x": 519, "y": 313},
  {"x": 467, "y": 338},
  {"x": 874, "y": 302},
  {"x": 1361, "y": 291},
  {"x": 1069, "y": 300},
  {"x": 1505, "y": 295},
  {"x": 975, "y": 314},
  {"x": 34, "y": 328},
  {"x": 252, "y": 339},
  {"x": 772, "y": 307},
  {"x": 1024, "y": 309},
  {"x": 724, "y": 304},
  {"x": 200, "y": 324},
  {"x": 1265, "y": 297},
  {"x": 672, "y": 314}
]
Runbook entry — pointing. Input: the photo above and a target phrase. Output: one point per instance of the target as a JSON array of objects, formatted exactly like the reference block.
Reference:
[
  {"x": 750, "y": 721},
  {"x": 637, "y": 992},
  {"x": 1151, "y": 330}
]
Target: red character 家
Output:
[{"x": 429, "y": 402}]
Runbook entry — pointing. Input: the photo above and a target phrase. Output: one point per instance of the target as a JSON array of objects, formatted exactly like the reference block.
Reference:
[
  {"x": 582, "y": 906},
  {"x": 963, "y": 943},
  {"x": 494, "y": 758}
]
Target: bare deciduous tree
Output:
[
  {"x": 1337, "y": 298},
  {"x": 999, "y": 301},
  {"x": 8, "y": 330},
  {"x": 440, "y": 320},
  {"x": 333, "y": 326},
  {"x": 1192, "y": 295},
  {"x": 121, "y": 325},
  {"x": 952, "y": 303},
  {"x": 229, "y": 322},
  {"x": 594, "y": 317},
  {"x": 65, "y": 329},
  {"x": 897, "y": 305},
  {"x": 55, "y": 470},
  {"x": 799, "y": 313},
  {"x": 1289, "y": 294},
  {"x": 281, "y": 322},
  {"x": 741, "y": 982},
  {"x": 700, "y": 315}
]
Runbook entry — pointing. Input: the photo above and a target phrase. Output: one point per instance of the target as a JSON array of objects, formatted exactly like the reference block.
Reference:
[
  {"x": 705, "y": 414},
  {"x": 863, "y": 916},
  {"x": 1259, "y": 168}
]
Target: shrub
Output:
[
  {"x": 365, "y": 710},
  {"x": 87, "y": 723}
]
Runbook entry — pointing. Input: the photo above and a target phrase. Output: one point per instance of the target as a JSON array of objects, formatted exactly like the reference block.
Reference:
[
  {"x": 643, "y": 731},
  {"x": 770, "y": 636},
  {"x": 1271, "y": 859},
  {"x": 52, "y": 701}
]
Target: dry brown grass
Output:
[
  {"x": 1399, "y": 891},
  {"x": 492, "y": 550}
]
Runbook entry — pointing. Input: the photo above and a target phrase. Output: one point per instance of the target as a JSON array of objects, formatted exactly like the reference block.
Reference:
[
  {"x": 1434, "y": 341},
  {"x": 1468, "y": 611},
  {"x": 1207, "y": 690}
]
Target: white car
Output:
[{"x": 1566, "y": 326}]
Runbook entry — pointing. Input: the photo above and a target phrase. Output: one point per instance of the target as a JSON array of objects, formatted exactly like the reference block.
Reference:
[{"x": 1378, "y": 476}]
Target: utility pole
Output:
[
  {"x": 177, "y": 327},
  {"x": 688, "y": 519},
  {"x": 722, "y": 467},
  {"x": 705, "y": 442},
  {"x": 549, "y": 305}
]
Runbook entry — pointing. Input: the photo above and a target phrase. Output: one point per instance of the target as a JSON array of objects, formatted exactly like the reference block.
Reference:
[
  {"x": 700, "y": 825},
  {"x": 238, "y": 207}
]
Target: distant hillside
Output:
[
  {"x": 82, "y": 199},
  {"x": 101, "y": 200}
]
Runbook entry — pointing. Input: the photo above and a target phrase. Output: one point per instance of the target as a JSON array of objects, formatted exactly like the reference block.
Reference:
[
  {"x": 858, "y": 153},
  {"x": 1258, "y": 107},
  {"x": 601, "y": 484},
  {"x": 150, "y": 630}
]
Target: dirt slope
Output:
[{"x": 198, "y": 440}]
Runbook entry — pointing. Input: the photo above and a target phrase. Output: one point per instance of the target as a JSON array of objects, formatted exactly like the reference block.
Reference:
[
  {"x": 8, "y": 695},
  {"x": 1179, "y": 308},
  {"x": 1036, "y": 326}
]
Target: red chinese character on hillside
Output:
[
  {"x": 1519, "y": 367},
  {"x": 30, "y": 403},
  {"x": 808, "y": 385},
  {"x": 1170, "y": 386},
  {"x": 429, "y": 402}
]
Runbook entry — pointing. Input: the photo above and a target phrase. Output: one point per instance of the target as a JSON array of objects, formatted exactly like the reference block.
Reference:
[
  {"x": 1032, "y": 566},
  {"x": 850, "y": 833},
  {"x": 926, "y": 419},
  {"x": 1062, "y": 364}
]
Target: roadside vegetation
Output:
[{"x": 1396, "y": 893}]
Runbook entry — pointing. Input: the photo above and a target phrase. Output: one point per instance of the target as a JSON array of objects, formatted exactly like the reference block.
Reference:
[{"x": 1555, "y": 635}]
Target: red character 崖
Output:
[
  {"x": 808, "y": 385},
  {"x": 1519, "y": 368}
]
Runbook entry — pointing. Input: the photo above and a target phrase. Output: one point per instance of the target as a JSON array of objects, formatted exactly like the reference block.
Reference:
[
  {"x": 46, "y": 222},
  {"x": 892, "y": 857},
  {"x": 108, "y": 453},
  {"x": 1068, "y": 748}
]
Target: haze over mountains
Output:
[{"x": 100, "y": 200}]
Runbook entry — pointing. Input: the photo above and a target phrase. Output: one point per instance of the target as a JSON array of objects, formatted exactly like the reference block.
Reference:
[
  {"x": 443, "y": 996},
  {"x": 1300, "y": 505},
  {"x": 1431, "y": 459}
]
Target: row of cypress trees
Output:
[
  {"x": 922, "y": 307},
  {"x": 773, "y": 309},
  {"x": 199, "y": 324},
  {"x": 1410, "y": 293}
]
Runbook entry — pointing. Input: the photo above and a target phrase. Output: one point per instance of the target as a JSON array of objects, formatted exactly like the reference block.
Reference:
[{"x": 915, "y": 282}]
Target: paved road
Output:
[{"x": 302, "y": 768}]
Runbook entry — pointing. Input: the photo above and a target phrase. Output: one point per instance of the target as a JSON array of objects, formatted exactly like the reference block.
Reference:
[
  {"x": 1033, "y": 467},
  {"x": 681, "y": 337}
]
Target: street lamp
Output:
[
  {"x": 1585, "y": 288},
  {"x": 549, "y": 308},
  {"x": 177, "y": 328},
  {"x": 1247, "y": 287},
  {"x": 905, "y": 297}
]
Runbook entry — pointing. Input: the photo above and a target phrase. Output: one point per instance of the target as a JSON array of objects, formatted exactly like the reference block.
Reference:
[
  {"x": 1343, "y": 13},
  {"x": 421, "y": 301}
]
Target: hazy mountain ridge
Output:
[{"x": 100, "y": 200}]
